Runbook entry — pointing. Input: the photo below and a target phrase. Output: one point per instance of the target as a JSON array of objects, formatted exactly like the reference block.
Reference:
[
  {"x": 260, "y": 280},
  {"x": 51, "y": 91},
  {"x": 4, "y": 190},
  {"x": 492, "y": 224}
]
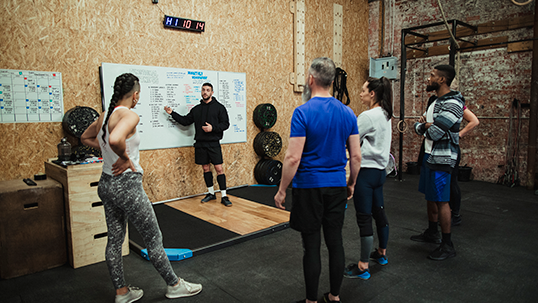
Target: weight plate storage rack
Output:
[{"x": 267, "y": 144}]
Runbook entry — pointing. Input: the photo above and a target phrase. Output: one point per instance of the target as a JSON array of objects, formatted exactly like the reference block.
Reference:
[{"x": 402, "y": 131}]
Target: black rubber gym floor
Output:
[{"x": 496, "y": 260}]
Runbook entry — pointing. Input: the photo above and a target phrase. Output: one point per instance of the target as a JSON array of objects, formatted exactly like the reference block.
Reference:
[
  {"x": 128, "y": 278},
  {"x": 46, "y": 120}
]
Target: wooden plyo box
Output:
[
  {"x": 85, "y": 215},
  {"x": 32, "y": 229}
]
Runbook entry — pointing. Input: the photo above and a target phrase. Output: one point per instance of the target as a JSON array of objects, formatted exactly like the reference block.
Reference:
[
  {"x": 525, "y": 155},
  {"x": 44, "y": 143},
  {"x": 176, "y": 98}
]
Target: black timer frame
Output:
[{"x": 182, "y": 23}]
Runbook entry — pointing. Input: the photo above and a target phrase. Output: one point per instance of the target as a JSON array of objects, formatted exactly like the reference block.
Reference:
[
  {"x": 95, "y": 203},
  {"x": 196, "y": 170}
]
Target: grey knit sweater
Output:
[{"x": 444, "y": 132}]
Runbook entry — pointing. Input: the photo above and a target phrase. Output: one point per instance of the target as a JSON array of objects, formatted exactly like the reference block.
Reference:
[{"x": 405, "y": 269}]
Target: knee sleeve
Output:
[
  {"x": 221, "y": 180},
  {"x": 367, "y": 244},
  {"x": 208, "y": 177},
  {"x": 365, "y": 224},
  {"x": 380, "y": 217}
]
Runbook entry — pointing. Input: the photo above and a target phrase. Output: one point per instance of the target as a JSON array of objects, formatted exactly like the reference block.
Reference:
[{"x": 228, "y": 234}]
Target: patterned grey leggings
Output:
[{"x": 124, "y": 198}]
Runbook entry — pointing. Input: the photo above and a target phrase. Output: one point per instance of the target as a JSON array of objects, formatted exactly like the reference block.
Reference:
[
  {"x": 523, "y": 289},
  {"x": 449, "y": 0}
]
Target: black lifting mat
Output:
[
  {"x": 181, "y": 230},
  {"x": 261, "y": 194}
]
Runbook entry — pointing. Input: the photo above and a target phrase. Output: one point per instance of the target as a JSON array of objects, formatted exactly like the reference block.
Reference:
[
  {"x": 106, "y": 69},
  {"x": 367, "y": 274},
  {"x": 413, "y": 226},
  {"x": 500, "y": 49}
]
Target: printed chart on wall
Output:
[
  {"x": 181, "y": 90},
  {"x": 30, "y": 96}
]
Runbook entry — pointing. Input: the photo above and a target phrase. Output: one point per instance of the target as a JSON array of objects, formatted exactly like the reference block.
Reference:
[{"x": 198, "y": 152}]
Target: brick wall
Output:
[{"x": 489, "y": 80}]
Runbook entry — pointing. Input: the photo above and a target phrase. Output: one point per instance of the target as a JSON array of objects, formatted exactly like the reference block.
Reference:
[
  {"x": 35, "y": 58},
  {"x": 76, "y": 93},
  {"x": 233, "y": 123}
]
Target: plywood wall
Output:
[{"x": 248, "y": 36}]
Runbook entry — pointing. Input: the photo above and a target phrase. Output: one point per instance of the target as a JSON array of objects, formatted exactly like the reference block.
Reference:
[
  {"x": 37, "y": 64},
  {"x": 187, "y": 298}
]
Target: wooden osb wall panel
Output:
[{"x": 250, "y": 36}]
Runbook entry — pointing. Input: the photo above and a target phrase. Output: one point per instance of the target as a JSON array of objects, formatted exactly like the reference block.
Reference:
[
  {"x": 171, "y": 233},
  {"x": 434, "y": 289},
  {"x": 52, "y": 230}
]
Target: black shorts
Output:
[
  {"x": 313, "y": 207},
  {"x": 206, "y": 155}
]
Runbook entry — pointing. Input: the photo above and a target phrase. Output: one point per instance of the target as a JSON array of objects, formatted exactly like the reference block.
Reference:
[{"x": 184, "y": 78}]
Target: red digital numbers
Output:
[{"x": 180, "y": 23}]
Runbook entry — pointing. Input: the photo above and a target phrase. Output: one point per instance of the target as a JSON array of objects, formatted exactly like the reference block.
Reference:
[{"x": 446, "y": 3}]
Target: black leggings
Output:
[
  {"x": 312, "y": 260},
  {"x": 124, "y": 198}
]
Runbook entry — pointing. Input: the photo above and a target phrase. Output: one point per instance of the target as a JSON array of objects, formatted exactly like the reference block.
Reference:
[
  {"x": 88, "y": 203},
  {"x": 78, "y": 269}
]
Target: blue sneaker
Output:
[
  {"x": 379, "y": 258},
  {"x": 352, "y": 271}
]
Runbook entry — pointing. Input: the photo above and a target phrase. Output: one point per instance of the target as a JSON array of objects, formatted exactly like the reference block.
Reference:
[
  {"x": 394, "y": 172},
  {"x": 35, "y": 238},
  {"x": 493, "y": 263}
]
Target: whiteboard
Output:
[
  {"x": 30, "y": 96},
  {"x": 181, "y": 90}
]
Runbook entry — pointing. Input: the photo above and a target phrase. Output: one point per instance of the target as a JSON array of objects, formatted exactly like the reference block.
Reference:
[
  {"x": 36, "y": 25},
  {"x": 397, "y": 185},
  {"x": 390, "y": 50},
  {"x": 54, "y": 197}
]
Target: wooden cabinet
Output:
[
  {"x": 32, "y": 231},
  {"x": 85, "y": 216}
]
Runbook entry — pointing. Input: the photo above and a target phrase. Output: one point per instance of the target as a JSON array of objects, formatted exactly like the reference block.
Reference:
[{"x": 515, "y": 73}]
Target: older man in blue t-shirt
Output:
[{"x": 316, "y": 160}]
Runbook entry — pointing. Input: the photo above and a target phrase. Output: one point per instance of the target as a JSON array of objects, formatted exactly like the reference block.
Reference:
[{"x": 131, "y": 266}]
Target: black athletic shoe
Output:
[
  {"x": 326, "y": 299},
  {"x": 456, "y": 220},
  {"x": 427, "y": 236},
  {"x": 352, "y": 271},
  {"x": 443, "y": 252},
  {"x": 225, "y": 201},
  {"x": 208, "y": 198},
  {"x": 379, "y": 258}
]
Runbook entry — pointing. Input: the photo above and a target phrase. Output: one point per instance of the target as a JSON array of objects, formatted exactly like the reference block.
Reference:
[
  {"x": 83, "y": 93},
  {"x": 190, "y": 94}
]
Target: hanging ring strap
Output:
[
  {"x": 521, "y": 3},
  {"x": 402, "y": 126},
  {"x": 340, "y": 91}
]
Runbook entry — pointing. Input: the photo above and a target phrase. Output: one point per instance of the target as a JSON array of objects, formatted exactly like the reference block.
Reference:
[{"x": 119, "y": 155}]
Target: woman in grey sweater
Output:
[{"x": 375, "y": 130}]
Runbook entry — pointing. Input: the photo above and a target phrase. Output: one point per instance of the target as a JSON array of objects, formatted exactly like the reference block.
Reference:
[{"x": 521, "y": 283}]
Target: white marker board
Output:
[
  {"x": 30, "y": 96},
  {"x": 180, "y": 89}
]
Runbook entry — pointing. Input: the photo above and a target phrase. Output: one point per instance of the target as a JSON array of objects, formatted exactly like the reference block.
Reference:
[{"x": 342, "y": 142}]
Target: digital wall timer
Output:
[{"x": 182, "y": 23}]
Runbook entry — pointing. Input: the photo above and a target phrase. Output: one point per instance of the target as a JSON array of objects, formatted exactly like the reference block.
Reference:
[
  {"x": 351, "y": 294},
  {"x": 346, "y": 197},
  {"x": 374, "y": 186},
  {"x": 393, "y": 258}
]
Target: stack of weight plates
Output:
[
  {"x": 75, "y": 122},
  {"x": 267, "y": 144},
  {"x": 268, "y": 171}
]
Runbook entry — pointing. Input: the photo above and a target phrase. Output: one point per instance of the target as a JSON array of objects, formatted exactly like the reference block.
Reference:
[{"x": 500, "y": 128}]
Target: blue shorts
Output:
[{"x": 435, "y": 184}]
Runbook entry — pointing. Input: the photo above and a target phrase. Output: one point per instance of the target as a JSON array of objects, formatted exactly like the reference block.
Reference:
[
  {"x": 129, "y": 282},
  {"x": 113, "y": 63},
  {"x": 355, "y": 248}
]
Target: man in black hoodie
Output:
[{"x": 210, "y": 120}]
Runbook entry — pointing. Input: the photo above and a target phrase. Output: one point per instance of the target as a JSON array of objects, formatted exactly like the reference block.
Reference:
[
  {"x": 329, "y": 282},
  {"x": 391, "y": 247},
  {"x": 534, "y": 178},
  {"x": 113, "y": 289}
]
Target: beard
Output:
[
  {"x": 307, "y": 93},
  {"x": 432, "y": 87},
  {"x": 206, "y": 98}
]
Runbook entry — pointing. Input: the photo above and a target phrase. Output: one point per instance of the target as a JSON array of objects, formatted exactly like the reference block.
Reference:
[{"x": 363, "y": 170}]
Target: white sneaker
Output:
[
  {"x": 183, "y": 289},
  {"x": 134, "y": 294}
]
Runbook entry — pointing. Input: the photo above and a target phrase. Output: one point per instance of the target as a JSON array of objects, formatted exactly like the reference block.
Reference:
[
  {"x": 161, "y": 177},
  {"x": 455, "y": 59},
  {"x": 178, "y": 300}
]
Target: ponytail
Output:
[
  {"x": 383, "y": 93},
  {"x": 123, "y": 85}
]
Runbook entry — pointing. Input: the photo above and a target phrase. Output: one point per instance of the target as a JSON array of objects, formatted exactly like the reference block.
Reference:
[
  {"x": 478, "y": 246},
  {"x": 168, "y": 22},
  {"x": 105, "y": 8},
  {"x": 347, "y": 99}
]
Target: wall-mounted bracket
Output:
[
  {"x": 298, "y": 8},
  {"x": 338, "y": 16}
]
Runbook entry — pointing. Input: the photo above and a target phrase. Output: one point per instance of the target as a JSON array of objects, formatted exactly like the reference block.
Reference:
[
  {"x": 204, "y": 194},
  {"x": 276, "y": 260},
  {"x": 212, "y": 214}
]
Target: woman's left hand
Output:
[{"x": 122, "y": 165}]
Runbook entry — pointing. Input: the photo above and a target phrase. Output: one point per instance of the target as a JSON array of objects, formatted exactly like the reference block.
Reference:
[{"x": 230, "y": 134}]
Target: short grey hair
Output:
[{"x": 323, "y": 70}]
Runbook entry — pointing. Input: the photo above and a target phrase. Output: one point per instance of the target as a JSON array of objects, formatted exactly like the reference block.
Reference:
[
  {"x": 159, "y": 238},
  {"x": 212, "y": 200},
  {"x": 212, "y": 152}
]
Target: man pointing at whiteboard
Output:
[{"x": 210, "y": 120}]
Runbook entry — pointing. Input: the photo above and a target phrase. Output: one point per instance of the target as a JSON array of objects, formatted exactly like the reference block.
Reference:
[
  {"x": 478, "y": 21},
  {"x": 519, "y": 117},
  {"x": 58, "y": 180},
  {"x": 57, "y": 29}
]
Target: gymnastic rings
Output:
[
  {"x": 521, "y": 3},
  {"x": 402, "y": 126}
]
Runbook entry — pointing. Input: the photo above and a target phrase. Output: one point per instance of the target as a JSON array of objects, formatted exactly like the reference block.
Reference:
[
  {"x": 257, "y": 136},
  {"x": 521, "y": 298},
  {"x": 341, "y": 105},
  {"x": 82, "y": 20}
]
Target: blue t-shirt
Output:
[{"x": 327, "y": 124}]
